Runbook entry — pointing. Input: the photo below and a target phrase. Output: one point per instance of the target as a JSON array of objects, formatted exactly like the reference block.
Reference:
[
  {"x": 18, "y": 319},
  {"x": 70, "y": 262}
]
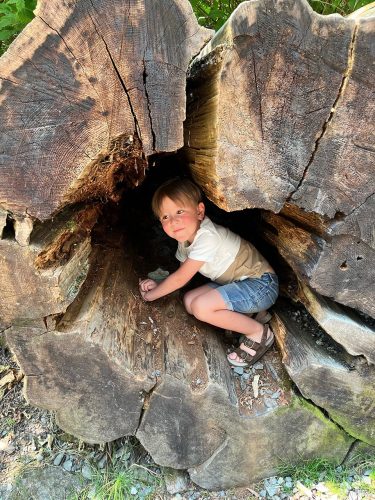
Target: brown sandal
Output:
[{"x": 260, "y": 348}]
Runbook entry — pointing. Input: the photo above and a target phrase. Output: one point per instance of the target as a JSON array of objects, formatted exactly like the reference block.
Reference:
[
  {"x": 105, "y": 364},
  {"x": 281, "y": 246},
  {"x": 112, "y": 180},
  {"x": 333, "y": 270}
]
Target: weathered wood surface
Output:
[
  {"x": 340, "y": 267},
  {"x": 280, "y": 106},
  {"x": 80, "y": 75},
  {"x": 324, "y": 373},
  {"x": 342, "y": 325},
  {"x": 113, "y": 365},
  {"x": 42, "y": 269}
]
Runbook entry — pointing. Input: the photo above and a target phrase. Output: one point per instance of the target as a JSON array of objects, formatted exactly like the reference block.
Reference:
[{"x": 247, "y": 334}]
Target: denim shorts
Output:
[{"x": 250, "y": 295}]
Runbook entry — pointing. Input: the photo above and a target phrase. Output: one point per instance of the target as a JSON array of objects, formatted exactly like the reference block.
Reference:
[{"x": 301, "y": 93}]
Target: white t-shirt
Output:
[{"x": 214, "y": 245}]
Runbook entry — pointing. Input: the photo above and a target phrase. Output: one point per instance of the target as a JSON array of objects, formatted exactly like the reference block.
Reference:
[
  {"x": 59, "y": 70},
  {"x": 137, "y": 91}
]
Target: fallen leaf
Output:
[
  {"x": 8, "y": 378},
  {"x": 5, "y": 444}
]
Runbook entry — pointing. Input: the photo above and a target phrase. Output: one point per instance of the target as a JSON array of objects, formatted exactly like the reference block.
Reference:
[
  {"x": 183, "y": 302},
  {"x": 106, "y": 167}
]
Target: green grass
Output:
[
  {"x": 117, "y": 482},
  {"x": 335, "y": 478}
]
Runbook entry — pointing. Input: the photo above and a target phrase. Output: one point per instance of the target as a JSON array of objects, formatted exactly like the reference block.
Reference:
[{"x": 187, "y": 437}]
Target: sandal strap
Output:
[
  {"x": 251, "y": 344},
  {"x": 245, "y": 356}
]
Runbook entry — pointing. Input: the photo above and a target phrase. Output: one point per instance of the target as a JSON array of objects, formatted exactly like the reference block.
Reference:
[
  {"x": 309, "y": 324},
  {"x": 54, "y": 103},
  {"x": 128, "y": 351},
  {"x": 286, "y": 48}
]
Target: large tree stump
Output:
[
  {"x": 88, "y": 96},
  {"x": 113, "y": 365}
]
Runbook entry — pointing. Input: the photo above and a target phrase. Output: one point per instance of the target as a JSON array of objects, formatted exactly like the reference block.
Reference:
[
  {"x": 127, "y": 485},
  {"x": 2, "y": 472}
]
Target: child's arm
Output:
[{"x": 174, "y": 281}]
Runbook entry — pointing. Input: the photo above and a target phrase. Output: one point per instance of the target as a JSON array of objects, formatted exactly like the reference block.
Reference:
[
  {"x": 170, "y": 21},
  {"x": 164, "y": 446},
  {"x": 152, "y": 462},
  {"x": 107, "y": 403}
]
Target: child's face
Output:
[{"x": 181, "y": 220}]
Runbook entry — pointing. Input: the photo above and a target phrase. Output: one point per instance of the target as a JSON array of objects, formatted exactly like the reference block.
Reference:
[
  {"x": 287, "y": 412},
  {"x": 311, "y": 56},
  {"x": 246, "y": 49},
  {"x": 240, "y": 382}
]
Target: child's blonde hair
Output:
[{"x": 178, "y": 190}]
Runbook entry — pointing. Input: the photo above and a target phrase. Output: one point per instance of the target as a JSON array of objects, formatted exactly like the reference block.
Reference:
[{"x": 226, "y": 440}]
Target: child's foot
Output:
[{"x": 250, "y": 350}]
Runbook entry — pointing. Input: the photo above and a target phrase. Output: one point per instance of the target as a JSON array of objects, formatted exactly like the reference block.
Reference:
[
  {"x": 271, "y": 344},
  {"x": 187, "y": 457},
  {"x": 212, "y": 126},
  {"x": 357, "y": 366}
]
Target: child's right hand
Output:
[{"x": 147, "y": 285}]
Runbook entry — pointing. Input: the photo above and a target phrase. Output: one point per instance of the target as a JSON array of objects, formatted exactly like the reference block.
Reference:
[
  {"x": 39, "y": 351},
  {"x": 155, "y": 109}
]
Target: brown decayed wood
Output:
[
  {"x": 42, "y": 271},
  {"x": 79, "y": 76}
]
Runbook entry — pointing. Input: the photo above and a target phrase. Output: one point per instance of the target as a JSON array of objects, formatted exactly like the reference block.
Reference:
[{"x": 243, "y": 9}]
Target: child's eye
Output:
[
  {"x": 179, "y": 212},
  {"x": 164, "y": 217}
]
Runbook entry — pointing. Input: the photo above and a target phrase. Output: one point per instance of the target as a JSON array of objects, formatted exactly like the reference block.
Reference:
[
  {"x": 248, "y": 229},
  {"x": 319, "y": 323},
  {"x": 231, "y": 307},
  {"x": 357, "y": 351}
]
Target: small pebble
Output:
[
  {"x": 67, "y": 465},
  {"x": 246, "y": 376},
  {"x": 322, "y": 488},
  {"x": 263, "y": 493},
  {"x": 39, "y": 457},
  {"x": 272, "y": 490},
  {"x": 270, "y": 403},
  {"x": 238, "y": 370},
  {"x": 133, "y": 490},
  {"x": 276, "y": 395},
  {"x": 58, "y": 459},
  {"x": 86, "y": 471},
  {"x": 258, "y": 366},
  {"x": 102, "y": 462},
  {"x": 243, "y": 384}
]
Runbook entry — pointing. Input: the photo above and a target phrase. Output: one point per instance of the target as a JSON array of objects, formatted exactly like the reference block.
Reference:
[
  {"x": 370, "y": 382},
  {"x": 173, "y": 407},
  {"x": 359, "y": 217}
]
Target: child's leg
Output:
[
  {"x": 210, "y": 307},
  {"x": 220, "y": 307},
  {"x": 193, "y": 294}
]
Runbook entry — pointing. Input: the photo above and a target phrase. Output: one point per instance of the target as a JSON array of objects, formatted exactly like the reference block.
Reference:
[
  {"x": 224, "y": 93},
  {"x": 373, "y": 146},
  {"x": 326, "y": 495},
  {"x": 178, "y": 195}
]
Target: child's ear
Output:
[{"x": 201, "y": 210}]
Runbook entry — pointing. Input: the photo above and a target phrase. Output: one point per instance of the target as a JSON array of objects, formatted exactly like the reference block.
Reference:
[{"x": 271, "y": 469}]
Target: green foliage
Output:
[
  {"x": 14, "y": 15},
  {"x": 343, "y": 7},
  {"x": 214, "y": 13}
]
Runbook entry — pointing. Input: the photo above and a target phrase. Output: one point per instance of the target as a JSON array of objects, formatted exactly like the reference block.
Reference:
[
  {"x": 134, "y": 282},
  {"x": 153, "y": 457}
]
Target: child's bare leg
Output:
[
  {"x": 193, "y": 294},
  {"x": 211, "y": 308}
]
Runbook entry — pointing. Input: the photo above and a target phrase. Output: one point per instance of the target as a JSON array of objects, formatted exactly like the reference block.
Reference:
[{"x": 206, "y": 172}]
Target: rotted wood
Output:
[
  {"x": 113, "y": 365},
  {"x": 81, "y": 77},
  {"x": 42, "y": 267},
  {"x": 340, "y": 266},
  {"x": 324, "y": 373}
]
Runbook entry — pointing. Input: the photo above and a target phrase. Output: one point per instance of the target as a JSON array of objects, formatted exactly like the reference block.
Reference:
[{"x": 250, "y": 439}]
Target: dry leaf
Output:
[{"x": 8, "y": 378}]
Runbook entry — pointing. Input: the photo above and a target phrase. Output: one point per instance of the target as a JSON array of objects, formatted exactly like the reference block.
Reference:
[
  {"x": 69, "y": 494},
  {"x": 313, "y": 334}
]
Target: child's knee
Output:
[
  {"x": 198, "y": 308},
  {"x": 187, "y": 299}
]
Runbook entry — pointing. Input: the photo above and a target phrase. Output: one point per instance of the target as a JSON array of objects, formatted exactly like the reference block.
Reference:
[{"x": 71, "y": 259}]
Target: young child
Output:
[{"x": 242, "y": 281}]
